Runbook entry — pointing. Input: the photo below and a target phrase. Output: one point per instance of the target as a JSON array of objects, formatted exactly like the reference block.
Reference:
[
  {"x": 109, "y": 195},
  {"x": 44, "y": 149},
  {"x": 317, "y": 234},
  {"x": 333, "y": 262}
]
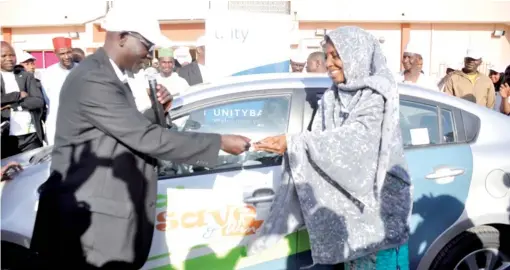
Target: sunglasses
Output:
[{"x": 147, "y": 44}]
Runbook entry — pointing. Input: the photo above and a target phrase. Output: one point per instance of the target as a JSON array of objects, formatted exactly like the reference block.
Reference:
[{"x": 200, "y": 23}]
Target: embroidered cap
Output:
[{"x": 61, "y": 43}]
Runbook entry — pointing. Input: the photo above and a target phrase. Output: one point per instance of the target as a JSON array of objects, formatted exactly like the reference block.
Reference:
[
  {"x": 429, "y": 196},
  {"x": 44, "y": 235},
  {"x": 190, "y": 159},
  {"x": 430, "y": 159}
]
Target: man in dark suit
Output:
[
  {"x": 97, "y": 208},
  {"x": 22, "y": 105},
  {"x": 196, "y": 72}
]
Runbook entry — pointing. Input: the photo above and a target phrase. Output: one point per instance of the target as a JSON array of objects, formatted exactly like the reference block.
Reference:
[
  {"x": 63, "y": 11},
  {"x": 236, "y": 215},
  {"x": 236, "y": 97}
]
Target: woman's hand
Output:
[{"x": 275, "y": 144}]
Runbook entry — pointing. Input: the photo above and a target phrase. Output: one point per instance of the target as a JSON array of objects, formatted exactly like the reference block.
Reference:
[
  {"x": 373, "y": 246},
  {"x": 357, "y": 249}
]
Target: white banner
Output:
[{"x": 240, "y": 43}]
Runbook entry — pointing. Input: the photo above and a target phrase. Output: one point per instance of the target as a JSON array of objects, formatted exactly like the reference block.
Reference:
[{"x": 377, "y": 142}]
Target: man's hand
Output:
[
  {"x": 275, "y": 144},
  {"x": 164, "y": 97},
  {"x": 504, "y": 90},
  {"x": 23, "y": 94},
  {"x": 234, "y": 144},
  {"x": 10, "y": 166}
]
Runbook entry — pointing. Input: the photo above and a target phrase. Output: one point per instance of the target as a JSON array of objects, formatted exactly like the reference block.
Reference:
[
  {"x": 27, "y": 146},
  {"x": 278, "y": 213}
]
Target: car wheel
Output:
[
  {"x": 476, "y": 248},
  {"x": 15, "y": 257}
]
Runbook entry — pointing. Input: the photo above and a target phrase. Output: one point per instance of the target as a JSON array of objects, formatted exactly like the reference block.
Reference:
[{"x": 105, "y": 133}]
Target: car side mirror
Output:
[{"x": 191, "y": 125}]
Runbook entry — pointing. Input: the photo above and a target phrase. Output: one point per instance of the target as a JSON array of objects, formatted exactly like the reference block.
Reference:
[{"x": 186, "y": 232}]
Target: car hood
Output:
[{"x": 36, "y": 167}]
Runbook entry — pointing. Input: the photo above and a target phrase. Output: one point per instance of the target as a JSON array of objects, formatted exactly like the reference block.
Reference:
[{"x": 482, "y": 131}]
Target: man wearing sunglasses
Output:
[
  {"x": 97, "y": 208},
  {"x": 470, "y": 84}
]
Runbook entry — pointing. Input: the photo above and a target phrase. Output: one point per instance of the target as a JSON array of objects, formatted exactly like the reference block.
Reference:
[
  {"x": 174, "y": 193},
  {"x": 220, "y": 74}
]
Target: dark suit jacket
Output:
[
  {"x": 34, "y": 102},
  {"x": 99, "y": 202},
  {"x": 191, "y": 73}
]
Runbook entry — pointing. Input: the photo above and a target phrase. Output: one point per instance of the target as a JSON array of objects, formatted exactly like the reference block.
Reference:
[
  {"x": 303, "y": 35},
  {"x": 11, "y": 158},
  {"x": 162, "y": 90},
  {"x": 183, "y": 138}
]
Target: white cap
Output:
[
  {"x": 182, "y": 55},
  {"x": 24, "y": 56},
  {"x": 127, "y": 17},
  {"x": 412, "y": 47},
  {"x": 473, "y": 53},
  {"x": 498, "y": 68},
  {"x": 200, "y": 41},
  {"x": 299, "y": 57}
]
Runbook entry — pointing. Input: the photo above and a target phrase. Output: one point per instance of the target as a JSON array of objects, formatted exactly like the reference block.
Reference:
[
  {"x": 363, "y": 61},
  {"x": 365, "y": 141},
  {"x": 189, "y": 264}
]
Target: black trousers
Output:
[{"x": 12, "y": 145}]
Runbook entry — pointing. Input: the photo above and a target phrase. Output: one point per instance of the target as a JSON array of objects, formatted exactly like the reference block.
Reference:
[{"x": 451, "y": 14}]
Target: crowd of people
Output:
[
  {"x": 32, "y": 111},
  {"x": 467, "y": 82}
]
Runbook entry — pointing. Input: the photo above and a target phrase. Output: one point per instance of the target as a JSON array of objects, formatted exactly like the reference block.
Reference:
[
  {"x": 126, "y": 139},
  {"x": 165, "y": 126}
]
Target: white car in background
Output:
[{"x": 458, "y": 155}]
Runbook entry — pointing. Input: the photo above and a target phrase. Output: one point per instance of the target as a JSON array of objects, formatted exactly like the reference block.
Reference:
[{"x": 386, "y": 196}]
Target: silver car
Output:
[{"x": 458, "y": 155}]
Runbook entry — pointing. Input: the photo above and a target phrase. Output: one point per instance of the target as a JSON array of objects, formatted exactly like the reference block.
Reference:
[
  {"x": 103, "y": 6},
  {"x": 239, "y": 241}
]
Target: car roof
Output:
[{"x": 261, "y": 82}]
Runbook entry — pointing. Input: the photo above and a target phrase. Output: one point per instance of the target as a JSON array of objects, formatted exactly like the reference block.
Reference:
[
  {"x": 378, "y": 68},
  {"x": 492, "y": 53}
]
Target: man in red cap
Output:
[{"x": 52, "y": 80}]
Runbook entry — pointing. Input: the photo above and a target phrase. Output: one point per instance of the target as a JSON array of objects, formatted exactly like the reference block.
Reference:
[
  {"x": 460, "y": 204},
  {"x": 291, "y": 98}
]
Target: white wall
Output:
[
  {"x": 390, "y": 32},
  {"x": 403, "y": 10},
  {"x": 41, "y": 38},
  {"x": 444, "y": 44},
  {"x": 19, "y": 13}
]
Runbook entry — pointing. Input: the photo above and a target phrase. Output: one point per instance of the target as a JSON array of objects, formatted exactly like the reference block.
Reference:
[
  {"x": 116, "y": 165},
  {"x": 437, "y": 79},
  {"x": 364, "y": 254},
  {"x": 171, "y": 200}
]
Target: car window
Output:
[
  {"x": 448, "y": 126},
  {"x": 254, "y": 118},
  {"x": 419, "y": 123}
]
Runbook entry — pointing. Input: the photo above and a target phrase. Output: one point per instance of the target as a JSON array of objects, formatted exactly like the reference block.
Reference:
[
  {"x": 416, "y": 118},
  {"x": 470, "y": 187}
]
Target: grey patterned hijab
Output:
[{"x": 347, "y": 180}]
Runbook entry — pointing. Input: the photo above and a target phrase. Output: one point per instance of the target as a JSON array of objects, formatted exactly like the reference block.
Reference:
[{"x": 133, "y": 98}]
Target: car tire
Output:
[
  {"x": 478, "y": 241},
  {"x": 15, "y": 257}
]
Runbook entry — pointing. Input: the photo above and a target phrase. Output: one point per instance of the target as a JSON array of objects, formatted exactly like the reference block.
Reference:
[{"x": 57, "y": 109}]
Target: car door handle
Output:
[
  {"x": 261, "y": 195},
  {"x": 259, "y": 199},
  {"x": 444, "y": 172}
]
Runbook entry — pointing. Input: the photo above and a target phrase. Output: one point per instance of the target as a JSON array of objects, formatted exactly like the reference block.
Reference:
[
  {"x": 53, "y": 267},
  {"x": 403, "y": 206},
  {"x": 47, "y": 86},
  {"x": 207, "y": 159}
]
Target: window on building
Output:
[{"x": 44, "y": 59}]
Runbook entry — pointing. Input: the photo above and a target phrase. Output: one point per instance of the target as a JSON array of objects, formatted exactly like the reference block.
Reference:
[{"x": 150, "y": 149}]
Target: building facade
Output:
[{"x": 443, "y": 29}]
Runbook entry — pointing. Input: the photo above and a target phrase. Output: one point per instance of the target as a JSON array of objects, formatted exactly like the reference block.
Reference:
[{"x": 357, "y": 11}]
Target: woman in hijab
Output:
[{"x": 346, "y": 179}]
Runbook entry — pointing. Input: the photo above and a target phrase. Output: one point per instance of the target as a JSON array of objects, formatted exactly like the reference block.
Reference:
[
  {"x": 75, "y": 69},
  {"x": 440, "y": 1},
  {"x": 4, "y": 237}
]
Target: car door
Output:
[
  {"x": 440, "y": 165},
  {"x": 206, "y": 216}
]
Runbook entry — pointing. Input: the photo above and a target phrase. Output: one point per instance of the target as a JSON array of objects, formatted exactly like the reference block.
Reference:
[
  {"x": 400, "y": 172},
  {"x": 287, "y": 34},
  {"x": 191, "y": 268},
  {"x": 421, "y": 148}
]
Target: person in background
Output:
[
  {"x": 78, "y": 55},
  {"x": 27, "y": 61},
  {"x": 167, "y": 77},
  {"x": 316, "y": 63},
  {"x": 197, "y": 71},
  {"x": 182, "y": 55},
  {"x": 22, "y": 104},
  {"x": 449, "y": 71},
  {"x": 497, "y": 76},
  {"x": 52, "y": 80},
  {"x": 155, "y": 63},
  {"x": 412, "y": 62},
  {"x": 504, "y": 93},
  {"x": 297, "y": 62},
  {"x": 470, "y": 84}
]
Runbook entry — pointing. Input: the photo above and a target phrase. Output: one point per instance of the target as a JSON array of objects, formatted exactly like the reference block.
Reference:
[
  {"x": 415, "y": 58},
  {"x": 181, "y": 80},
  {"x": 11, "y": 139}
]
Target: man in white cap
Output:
[
  {"x": 298, "y": 61},
  {"x": 470, "y": 84},
  {"x": 27, "y": 61},
  {"x": 97, "y": 208},
  {"x": 412, "y": 61},
  {"x": 197, "y": 72}
]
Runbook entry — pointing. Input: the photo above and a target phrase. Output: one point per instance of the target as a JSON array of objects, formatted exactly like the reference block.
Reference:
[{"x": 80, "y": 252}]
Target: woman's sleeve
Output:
[{"x": 347, "y": 154}]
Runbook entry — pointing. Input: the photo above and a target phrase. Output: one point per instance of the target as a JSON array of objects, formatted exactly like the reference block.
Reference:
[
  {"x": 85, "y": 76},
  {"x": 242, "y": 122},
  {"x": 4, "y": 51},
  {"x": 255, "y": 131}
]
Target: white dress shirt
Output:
[
  {"x": 423, "y": 81},
  {"x": 174, "y": 83},
  {"x": 52, "y": 80},
  {"x": 20, "y": 122}
]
